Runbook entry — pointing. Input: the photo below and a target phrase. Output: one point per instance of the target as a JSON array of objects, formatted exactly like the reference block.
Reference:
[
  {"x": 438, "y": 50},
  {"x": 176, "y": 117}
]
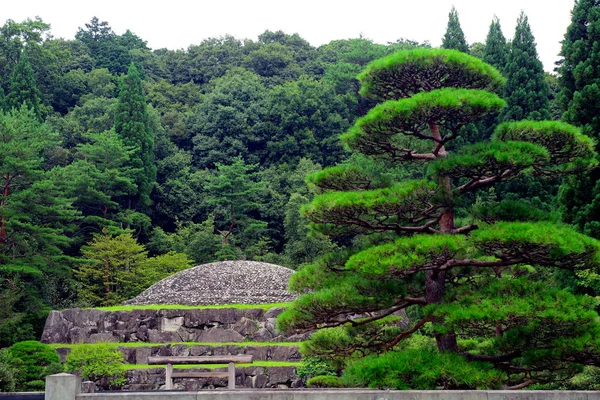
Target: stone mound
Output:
[{"x": 226, "y": 282}]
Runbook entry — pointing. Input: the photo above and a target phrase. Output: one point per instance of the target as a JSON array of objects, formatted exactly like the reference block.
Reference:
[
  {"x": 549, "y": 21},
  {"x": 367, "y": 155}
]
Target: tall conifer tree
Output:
[
  {"x": 23, "y": 88},
  {"x": 579, "y": 76},
  {"x": 454, "y": 38},
  {"x": 495, "y": 51},
  {"x": 526, "y": 92},
  {"x": 132, "y": 124}
]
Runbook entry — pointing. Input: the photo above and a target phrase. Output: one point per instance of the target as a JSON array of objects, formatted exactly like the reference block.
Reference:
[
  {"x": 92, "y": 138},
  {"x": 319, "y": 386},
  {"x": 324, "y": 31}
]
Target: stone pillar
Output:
[
  {"x": 62, "y": 387},
  {"x": 231, "y": 376}
]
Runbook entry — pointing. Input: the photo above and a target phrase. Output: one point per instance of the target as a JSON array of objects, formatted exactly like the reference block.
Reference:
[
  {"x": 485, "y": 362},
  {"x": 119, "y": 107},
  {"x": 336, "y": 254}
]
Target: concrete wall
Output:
[{"x": 61, "y": 387}]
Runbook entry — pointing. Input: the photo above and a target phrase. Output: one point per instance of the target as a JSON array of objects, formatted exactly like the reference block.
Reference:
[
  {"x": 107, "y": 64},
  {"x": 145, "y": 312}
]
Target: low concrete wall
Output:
[{"x": 61, "y": 387}]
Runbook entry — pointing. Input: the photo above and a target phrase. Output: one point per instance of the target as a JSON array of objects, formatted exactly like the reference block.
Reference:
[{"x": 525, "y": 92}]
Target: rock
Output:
[
  {"x": 201, "y": 350},
  {"x": 102, "y": 337},
  {"x": 258, "y": 353},
  {"x": 260, "y": 381},
  {"x": 286, "y": 353},
  {"x": 245, "y": 326},
  {"x": 180, "y": 350},
  {"x": 262, "y": 335},
  {"x": 129, "y": 354},
  {"x": 56, "y": 329},
  {"x": 219, "y": 335},
  {"x": 142, "y": 354},
  {"x": 281, "y": 375},
  {"x": 274, "y": 312}
]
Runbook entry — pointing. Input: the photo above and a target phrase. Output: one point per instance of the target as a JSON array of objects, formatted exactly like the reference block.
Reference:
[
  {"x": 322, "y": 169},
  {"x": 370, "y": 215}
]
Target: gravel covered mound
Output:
[{"x": 226, "y": 282}]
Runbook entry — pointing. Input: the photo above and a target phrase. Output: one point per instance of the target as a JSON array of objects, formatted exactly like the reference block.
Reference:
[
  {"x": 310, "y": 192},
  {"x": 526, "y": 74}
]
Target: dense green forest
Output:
[{"x": 121, "y": 164}]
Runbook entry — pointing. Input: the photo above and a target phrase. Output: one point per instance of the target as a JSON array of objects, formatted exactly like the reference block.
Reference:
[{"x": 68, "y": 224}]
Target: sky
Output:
[{"x": 176, "y": 24}]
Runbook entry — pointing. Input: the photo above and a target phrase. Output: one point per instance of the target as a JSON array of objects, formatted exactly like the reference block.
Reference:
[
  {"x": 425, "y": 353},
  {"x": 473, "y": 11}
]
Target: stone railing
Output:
[{"x": 68, "y": 387}]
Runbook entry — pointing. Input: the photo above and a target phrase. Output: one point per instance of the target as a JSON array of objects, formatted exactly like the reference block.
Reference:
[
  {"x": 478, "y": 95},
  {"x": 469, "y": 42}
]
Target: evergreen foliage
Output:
[
  {"x": 131, "y": 123},
  {"x": 100, "y": 363},
  {"x": 454, "y": 38},
  {"x": 33, "y": 361},
  {"x": 470, "y": 285},
  {"x": 496, "y": 49},
  {"x": 526, "y": 91},
  {"x": 23, "y": 88},
  {"x": 579, "y": 78}
]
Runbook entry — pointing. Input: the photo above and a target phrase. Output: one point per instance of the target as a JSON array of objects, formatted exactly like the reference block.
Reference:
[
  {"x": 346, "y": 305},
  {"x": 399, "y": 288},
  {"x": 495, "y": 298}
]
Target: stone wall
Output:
[
  {"x": 163, "y": 326},
  {"x": 140, "y": 354},
  {"x": 246, "y": 377}
]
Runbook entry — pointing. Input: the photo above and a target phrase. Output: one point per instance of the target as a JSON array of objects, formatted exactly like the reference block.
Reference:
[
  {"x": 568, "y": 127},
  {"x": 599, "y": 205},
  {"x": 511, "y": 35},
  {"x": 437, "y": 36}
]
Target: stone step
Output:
[{"x": 140, "y": 354}]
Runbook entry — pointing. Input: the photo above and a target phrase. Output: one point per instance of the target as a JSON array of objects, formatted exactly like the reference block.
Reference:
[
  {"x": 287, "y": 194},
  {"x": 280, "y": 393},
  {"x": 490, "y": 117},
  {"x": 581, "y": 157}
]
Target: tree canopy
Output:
[{"x": 474, "y": 286}]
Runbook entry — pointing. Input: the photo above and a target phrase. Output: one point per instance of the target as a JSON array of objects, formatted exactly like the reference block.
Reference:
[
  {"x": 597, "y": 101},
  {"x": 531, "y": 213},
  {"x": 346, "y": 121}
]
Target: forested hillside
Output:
[{"x": 121, "y": 164}]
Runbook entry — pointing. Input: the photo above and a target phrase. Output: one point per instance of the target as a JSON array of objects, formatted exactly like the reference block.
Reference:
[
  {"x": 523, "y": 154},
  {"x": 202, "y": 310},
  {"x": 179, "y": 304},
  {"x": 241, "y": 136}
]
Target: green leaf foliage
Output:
[
  {"x": 454, "y": 38},
  {"x": 526, "y": 91},
  {"x": 448, "y": 108},
  {"x": 485, "y": 160},
  {"x": 496, "y": 49},
  {"x": 8, "y": 371},
  {"x": 33, "y": 361},
  {"x": 408, "y": 255},
  {"x": 379, "y": 209},
  {"x": 391, "y": 77},
  {"x": 325, "y": 381},
  {"x": 569, "y": 150},
  {"x": 423, "y": 369},
  {"x": 102, "y": 361},
  {"x": 540, "y": 243},
  {"x": 131, "y": 123}
]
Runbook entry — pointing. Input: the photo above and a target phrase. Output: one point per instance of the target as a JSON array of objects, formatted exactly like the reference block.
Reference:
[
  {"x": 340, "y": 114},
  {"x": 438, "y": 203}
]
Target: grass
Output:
[
  {"x": 214, "y": 366},
  {"x": 211, "y": 344},
  {"x": 184, "y": 307}
]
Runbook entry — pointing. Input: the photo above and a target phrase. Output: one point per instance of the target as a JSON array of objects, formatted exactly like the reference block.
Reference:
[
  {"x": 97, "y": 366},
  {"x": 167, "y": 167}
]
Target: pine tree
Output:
[
  {"x": 454, "y": 38},
  {"x": 579, "y": 77},
  {"x": 36, "y": 220},
  {"x": 495, "y": 51},
  {"x": 131, "y": 123},
  {"x": 478, "y": 288},
  {"x": 526, "y": 91},
  {"x": 23, "y": 88}
]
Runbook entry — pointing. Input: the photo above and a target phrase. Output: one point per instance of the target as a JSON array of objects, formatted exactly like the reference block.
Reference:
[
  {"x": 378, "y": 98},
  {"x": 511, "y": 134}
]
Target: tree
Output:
[
  {"x": 23, "y": 89},
  {"x": 236, "y": 198},
  {"x": 454, "y": 38},
  {"x": 131, "y": 123},
  {"x": 496, "y": 50},
  {"x": 474, "y": 287},
  {"x": 579, "y": 78},
  {"x": 112, "y": 270},
  {"x": 36, "y": 220},
  {"x": 526, "y": 91}
]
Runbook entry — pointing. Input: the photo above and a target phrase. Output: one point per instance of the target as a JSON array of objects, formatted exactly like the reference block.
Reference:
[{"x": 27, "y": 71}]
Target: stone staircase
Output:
[{"x": 182, "y": 332}]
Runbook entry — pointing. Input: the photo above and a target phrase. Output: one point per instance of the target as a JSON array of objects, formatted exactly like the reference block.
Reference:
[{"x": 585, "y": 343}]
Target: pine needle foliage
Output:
[{"x": 418, "y": 269}]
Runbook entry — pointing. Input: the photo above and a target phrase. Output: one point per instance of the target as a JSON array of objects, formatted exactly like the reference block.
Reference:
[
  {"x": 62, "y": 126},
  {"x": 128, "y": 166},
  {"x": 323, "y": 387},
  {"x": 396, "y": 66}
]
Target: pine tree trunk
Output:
[{"x": 435, "y": 282}]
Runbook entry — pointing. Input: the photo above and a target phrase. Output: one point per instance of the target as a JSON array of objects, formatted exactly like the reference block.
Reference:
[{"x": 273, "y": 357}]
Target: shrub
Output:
[
  {"x": 420, "y": 369},
  {"x": 326, "y": 381},
  {"x": 101, "y": 363},
  {"x": 32, "y": 361},
  {"x": 7, "y": 372},
  {"x": 314, "y": 366}
]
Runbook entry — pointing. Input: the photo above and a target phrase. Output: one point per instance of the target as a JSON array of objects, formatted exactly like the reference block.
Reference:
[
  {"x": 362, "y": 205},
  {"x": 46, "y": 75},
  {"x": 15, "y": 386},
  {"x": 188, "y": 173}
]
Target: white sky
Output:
[{"x": 175, "y": 24}]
